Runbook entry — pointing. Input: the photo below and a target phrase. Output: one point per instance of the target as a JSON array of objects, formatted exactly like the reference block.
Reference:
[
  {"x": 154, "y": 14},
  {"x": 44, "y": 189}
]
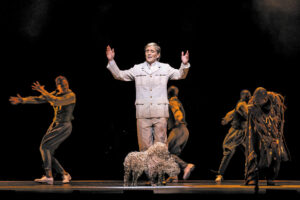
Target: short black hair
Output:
[
  {"x": 173, "y": 91},
  {"x": 62, "y": 81}
]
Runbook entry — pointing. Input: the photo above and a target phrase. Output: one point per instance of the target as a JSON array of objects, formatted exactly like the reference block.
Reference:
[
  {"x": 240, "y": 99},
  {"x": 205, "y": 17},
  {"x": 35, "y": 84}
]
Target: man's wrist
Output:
[
  {"x": 111, "y": 62},
  {"x": 186, "y": 65}
]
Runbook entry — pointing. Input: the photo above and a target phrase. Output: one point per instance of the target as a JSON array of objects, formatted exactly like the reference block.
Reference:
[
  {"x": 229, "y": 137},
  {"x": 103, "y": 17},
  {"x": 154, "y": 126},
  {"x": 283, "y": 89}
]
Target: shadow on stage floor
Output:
[{"x": 113, "y": 189}]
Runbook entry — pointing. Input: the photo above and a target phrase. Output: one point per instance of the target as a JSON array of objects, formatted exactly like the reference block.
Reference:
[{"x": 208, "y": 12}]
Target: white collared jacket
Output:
[{"x": 151, "y": 85}]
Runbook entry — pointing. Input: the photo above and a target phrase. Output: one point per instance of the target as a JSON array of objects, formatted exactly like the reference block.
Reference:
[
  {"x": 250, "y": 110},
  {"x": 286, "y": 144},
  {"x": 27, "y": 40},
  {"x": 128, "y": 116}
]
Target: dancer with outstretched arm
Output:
[{"x": 63, "y": 102}]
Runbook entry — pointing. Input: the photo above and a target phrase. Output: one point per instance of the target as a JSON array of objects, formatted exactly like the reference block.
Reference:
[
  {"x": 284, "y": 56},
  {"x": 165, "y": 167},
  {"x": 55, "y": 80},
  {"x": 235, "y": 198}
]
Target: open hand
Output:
[
  {"x": 38, "y": 87},
  {"x": 16, "y": 100},
  {"x": 185, "y": 57},
  {"x": 110, "y": 53}
]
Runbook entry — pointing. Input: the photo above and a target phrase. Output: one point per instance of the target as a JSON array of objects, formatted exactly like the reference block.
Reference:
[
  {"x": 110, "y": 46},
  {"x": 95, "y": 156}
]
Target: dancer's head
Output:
[
  {"x": 260, "y": 96},
  {"x": 62, "y": 84},
  {"x": 173, "y": 91},
  {"x": 245, "y": 95}
]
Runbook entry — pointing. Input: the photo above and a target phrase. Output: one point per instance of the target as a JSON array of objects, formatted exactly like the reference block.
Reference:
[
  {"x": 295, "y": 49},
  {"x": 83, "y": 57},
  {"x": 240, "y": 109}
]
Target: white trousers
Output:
[{"x": 151, "y": 130}]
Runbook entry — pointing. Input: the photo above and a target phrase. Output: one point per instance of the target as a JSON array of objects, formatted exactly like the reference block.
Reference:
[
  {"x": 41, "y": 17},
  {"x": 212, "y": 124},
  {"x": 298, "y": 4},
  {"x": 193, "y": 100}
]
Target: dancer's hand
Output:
[
  {"x": 16, "y": 100},
  {"x": 38, "y": 87},
  {"x": 224, "y": 122}
]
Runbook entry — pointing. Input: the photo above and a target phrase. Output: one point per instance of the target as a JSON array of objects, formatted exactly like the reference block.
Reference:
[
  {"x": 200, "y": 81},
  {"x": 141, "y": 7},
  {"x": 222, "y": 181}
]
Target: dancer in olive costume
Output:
[{"x": 237, "y": 133}]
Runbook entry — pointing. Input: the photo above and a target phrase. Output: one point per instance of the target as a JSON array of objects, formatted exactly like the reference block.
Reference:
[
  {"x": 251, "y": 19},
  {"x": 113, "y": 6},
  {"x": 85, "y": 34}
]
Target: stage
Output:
[{"x": 113, "y": 189}]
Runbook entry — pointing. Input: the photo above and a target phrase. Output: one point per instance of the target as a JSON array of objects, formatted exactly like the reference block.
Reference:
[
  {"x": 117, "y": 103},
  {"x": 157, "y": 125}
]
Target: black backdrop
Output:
[{"x": 233, "y": 45}]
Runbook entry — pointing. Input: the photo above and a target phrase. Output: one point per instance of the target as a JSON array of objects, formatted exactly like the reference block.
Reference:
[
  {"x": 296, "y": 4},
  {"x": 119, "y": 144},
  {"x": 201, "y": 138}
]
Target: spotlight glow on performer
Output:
[{"x": 151, "y": 78}]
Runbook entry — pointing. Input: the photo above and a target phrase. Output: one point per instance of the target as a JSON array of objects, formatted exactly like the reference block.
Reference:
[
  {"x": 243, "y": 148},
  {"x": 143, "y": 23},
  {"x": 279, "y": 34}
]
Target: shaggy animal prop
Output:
[{"x": 155, "y": 162}]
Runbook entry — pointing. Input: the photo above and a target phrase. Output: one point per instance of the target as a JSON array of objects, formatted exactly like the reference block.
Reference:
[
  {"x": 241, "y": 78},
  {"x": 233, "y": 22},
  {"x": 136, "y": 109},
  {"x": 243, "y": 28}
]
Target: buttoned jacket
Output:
[{"x": 151, "y": 85}]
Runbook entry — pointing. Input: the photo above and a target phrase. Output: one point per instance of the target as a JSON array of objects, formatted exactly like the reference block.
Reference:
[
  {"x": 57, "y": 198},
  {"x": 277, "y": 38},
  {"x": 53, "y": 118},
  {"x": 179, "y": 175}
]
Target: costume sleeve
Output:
[
  {"x": 34, "y": 100},
  {"x": 122, "y": 75},
  {"x": 228, "y": 117},
  {"x": 181, "y": 73},
  {"x": 66, "y": 99},
  {"x": 175, "y": 107},
  {"x": 242, "y": 109}
]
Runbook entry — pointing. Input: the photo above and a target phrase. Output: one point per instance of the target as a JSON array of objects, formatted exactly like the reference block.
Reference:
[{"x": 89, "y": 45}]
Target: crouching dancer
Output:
[
  {"x": 63, "y": 102},
  {"x": 267, "y": 147}
]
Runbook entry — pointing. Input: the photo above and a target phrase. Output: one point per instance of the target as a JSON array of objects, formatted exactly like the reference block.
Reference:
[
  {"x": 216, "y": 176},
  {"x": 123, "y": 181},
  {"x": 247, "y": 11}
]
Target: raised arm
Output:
[
  {"x": 181, "y": 73},
  {"x": 228, "y": 117},
  {"x": 242, "y": 109},
  {"x": 123, "y": 75}
]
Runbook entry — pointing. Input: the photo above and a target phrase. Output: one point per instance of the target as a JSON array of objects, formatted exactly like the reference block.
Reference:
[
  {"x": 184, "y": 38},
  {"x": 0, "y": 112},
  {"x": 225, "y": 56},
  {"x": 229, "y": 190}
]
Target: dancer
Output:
[
  {"x": 267, "y": 147},
  {"x": 151, "y": 78},
  {"x": 63, "y": 102},
  {"x": 179, "y": 134},
  {"x": 236, "y": 135}
]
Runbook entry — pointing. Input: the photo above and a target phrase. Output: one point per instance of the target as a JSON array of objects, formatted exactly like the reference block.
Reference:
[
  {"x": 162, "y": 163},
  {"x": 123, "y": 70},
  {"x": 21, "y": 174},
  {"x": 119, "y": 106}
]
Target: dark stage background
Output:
[{"x": 234, "y": 45}]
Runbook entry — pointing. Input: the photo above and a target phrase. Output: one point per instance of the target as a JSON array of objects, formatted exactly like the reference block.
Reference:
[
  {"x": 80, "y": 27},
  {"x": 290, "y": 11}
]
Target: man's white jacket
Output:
[{"x": 151, "y": 85}]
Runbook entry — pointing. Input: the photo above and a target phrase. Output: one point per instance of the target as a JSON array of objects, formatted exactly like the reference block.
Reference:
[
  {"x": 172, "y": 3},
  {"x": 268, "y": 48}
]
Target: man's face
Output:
[
  {"x": 151, "y": 54},
  {"x": 62, "y": 88},
  {"x": 245, "y": 96}
]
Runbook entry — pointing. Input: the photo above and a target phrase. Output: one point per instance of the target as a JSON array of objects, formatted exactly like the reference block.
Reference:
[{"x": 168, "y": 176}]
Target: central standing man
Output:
[{"x": 151, "y": 79}]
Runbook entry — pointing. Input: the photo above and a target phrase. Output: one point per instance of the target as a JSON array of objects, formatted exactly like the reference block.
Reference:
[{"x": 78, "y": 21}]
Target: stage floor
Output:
[{"x": 114, "y": 188}]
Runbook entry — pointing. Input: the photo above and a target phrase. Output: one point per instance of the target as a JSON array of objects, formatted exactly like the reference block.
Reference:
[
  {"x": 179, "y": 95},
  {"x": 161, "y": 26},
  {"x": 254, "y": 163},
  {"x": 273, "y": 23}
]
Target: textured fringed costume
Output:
[{"x": 266, "y": 145}]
